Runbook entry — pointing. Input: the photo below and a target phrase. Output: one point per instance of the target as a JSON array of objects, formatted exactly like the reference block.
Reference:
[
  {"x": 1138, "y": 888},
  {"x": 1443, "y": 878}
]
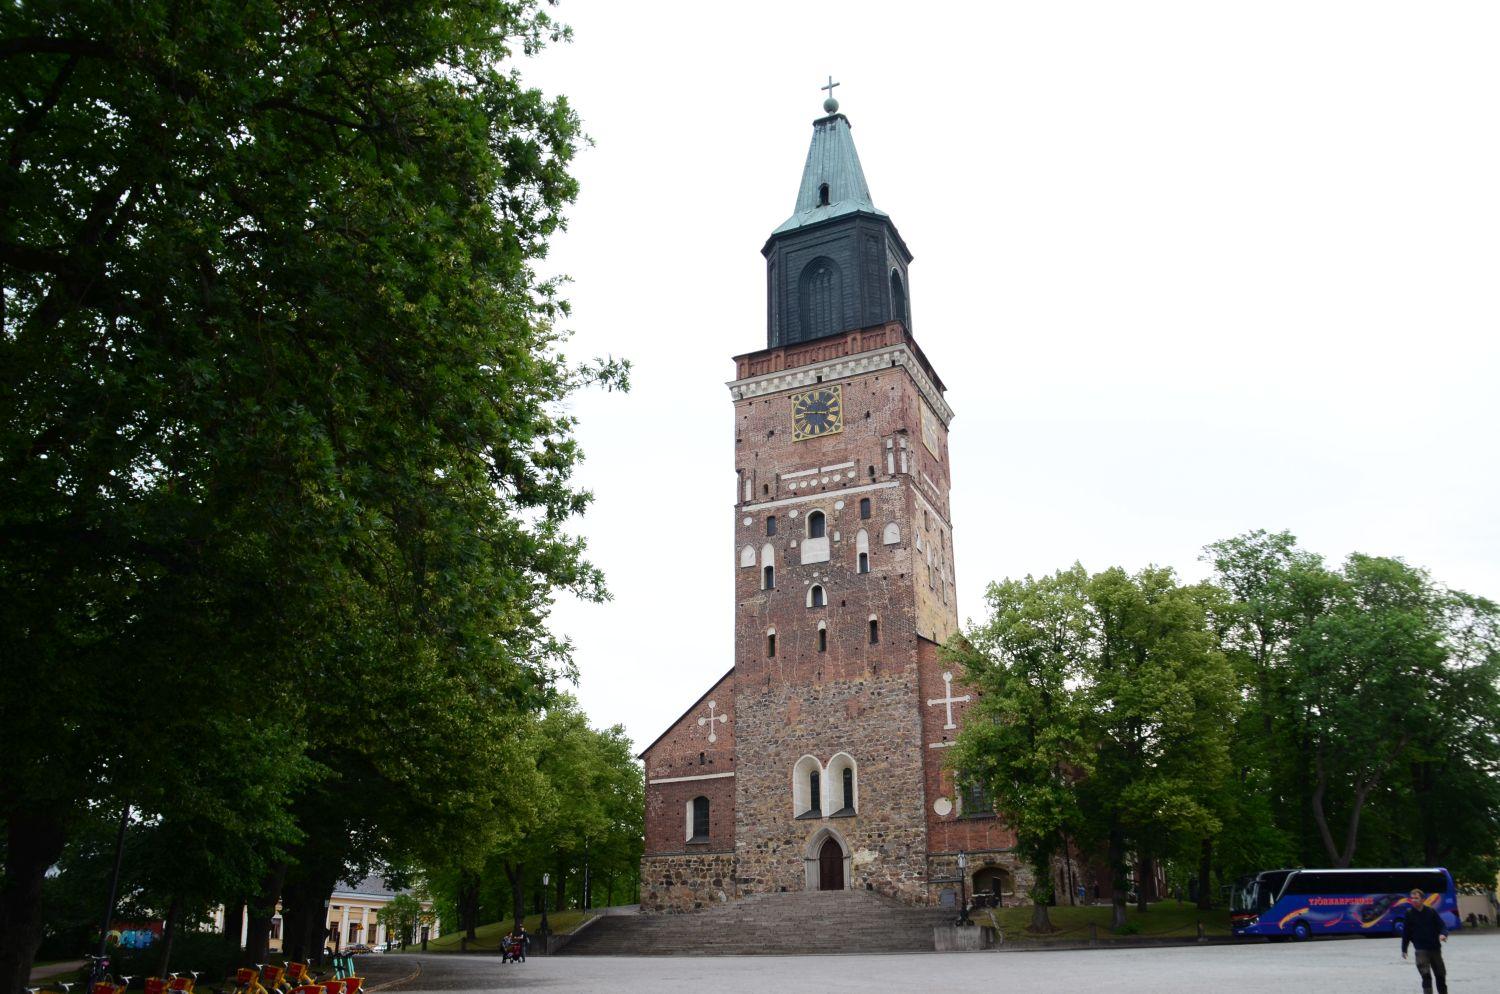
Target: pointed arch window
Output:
[
  {"x": 843, "y": 790},
  {"x": 807, "y": 788},
  {"x": 823, "y": 195},
  {"x": 816, "y": 597},
  {"x": 822, "y": 638},
  {"x": 874, "y": 631},
  {"x": 864, "y": 508},
  {"x": 817, "y": 525}
]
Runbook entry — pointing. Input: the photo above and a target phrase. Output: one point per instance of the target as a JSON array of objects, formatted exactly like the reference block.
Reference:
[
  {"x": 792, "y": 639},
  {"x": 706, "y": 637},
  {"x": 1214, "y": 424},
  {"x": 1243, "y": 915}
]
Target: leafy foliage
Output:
[
  {"x": 286, "y": 463},
  {"x": 1286, "y": 714}
]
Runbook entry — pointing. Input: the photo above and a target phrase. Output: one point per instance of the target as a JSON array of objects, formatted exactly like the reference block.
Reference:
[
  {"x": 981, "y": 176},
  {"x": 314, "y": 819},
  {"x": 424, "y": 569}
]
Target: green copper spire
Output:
[
  {"x": 833, "y": 184},
  {"x": 838, "y": 263}
]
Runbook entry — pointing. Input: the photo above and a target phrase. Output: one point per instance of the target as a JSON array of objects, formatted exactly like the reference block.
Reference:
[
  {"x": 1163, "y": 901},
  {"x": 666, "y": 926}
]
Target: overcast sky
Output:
[{"x": 1187, "y": 269}]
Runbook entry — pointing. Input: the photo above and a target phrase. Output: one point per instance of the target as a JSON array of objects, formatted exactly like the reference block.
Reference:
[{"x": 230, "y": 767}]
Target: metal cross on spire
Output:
[{"x": 830, "y": 105}]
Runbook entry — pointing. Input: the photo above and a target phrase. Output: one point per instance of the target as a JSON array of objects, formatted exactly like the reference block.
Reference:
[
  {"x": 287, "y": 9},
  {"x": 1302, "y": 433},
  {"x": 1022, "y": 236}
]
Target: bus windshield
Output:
[{"x": 1257, "y": 893}]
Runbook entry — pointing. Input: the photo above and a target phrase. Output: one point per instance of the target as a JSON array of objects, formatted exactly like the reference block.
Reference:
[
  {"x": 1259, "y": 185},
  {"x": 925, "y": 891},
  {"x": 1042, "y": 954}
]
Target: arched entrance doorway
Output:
[
  {"x": 827, "y": 861},
  {"x": 830, "y": 866}
]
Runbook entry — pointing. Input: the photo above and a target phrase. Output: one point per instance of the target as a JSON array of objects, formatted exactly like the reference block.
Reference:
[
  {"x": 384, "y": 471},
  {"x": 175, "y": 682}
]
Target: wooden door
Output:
[{"x": 830, "y": 866}]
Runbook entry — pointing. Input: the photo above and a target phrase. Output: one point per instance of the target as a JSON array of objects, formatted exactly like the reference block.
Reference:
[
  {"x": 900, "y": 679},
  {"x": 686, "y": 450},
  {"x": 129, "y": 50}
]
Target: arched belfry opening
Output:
[
  {"x": 823, "y": 195},
  {"x": 828, "y": 861},
  {"x": 898, "y": 300},
  {"x": 820, "y": 300}
]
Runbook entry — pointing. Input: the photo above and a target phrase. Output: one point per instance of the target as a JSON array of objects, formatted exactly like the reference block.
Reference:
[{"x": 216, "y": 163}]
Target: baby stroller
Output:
[{"x": 513, "y": 950}]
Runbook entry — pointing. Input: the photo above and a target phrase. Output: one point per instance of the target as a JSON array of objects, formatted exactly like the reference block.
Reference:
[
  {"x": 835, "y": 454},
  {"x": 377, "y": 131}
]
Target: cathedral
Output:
[{"x": 817, "y": 761}]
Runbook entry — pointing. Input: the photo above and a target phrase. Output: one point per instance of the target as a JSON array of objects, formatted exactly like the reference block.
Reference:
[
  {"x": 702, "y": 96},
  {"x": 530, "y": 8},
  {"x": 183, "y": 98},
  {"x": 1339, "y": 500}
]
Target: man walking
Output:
[{"x": 1425, "y": 930}]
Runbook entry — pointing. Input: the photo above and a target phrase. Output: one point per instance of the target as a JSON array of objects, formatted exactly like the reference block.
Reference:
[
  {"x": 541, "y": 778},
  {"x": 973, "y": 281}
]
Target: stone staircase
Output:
[{"x": 769, "y": 924}]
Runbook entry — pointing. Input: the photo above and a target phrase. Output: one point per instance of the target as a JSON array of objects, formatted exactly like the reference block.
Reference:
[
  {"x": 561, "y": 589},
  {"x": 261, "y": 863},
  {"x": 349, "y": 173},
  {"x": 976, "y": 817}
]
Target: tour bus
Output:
[{"x": 1302, "y": 903}]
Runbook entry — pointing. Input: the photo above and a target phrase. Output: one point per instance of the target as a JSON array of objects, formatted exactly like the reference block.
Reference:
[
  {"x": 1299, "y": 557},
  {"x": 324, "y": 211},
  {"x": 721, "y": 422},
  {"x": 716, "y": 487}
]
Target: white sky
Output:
[{"x": 1187, "y": 269}]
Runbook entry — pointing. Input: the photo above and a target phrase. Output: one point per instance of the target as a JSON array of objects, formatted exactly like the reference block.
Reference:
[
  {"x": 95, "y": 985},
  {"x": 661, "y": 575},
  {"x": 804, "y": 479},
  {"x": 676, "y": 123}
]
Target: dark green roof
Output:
[{"x": 831, "y": 159}]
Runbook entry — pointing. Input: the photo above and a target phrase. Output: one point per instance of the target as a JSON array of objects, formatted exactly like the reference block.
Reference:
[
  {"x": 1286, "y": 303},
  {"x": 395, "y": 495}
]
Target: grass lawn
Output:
[
  {"x": 561, "y": 922},
  {"x": 1166, "y": 919}
]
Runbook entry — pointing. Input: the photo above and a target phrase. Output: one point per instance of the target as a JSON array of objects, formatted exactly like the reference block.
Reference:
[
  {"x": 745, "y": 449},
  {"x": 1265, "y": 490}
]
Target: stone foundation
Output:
[
  {"x": 687, "y": 882},
  {"x": 942, "y": 869}
]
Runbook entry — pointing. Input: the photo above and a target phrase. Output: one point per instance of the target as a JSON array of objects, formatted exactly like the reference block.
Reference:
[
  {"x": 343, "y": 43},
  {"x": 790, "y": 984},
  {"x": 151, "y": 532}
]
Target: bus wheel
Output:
[{"x": 1301, "y": 932}]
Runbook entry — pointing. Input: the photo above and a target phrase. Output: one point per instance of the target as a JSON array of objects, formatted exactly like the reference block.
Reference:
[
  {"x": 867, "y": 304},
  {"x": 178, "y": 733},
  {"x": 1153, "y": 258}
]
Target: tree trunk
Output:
[
  {"x": 305, "y": 905},
  {"x": 1041, "y": 892},
  {"x": 234, "y": 923},
  {"x": 168, "y": 934},
  {"x": 1205, "y": 867},
  {"x": 515, "y": 874},
  {"x": 1144, "y": 881},
  {"x": 262, "y": 909},
  {"x": 468, "y": 903},
  {"x": 32, "y": 844},
  {"x": 1121, "y": 881}
]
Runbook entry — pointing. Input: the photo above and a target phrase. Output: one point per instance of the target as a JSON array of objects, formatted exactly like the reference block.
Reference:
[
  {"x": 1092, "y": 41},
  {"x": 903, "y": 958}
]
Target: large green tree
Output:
[
  {"x": 1160, "y": 695},
  {"x": 280, "y": 420},
  {"x": 1373, "y": 699},
  {"x": 1024, "y": 738}
]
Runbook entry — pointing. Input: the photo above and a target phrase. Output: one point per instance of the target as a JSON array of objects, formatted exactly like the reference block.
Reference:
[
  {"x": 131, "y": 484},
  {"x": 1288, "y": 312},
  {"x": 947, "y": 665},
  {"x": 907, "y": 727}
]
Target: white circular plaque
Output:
[{"x": 942, "y": 807}]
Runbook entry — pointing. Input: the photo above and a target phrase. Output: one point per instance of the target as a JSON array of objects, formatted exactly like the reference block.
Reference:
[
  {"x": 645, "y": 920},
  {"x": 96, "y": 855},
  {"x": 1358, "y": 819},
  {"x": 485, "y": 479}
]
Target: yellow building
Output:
[{"x": 352, "y": 916}]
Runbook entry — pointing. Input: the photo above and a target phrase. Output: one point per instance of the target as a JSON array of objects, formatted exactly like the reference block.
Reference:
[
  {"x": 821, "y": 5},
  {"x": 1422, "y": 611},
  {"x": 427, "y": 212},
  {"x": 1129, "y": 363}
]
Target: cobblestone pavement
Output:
[{"x": 1366, "y": 966}]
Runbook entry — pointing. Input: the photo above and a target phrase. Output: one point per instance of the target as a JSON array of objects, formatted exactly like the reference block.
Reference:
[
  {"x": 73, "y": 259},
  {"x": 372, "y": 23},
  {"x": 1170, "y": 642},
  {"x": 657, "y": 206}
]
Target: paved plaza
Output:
[{"x": 1367, "y": 966}]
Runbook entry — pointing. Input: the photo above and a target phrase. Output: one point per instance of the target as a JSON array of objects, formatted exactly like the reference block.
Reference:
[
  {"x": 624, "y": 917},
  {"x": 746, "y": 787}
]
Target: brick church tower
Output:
[{"x": 816, "y": 762}]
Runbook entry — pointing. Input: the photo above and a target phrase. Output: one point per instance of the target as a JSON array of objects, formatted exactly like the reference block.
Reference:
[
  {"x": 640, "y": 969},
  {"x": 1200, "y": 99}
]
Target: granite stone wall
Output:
[{"x": 687, "y": 882}]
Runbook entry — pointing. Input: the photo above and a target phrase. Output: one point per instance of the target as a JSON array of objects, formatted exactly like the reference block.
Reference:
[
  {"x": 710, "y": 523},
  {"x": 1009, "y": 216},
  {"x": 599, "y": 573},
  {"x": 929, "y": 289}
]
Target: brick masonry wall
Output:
[
  {"x": 682, "y": 752},
  {"x": 689, "y": 882},
  {"x": 852, "y": 697},
  {"x": 953, "y": 830}
]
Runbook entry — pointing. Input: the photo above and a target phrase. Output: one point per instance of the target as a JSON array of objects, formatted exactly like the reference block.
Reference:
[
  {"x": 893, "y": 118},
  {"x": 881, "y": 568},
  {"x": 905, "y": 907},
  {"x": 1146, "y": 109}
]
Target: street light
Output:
[
  {"x": 544, "y": 930},
  {"x": 963, "y": 889}
]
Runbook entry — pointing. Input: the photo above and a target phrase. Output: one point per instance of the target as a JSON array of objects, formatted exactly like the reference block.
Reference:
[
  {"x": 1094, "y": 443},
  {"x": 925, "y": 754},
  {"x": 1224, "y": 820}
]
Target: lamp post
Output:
[
  {"x": 543, "y": 930},
  {"x": 963, "y": 889}
]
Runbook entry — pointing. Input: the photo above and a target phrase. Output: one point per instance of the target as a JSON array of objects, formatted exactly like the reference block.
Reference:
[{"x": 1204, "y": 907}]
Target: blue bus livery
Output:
[{"x": 1302, "y": 903}]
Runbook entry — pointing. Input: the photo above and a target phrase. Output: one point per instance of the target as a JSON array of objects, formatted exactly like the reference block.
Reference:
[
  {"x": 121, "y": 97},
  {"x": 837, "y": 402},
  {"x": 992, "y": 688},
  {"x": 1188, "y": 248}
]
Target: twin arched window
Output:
[{"x": 834, "y": 790}]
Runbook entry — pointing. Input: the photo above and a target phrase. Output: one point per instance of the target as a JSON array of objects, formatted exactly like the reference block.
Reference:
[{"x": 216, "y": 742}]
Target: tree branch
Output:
[{"x": 42, "y": 45}]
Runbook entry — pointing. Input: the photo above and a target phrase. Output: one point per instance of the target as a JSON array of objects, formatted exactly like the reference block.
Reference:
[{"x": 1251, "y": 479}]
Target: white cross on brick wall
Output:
[
  {"x": 947, "y": 700},
  {"x": 709, "y": 721}
]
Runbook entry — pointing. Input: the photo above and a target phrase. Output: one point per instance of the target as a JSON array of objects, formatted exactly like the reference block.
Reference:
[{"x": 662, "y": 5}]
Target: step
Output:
[{"x": 781, "y": 923}]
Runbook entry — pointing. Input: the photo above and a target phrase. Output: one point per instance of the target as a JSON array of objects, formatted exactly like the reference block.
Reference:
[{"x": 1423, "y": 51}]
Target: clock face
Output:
[
  {"x": 817, "y": 412},
  {"x": 930, "y": 430}
]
